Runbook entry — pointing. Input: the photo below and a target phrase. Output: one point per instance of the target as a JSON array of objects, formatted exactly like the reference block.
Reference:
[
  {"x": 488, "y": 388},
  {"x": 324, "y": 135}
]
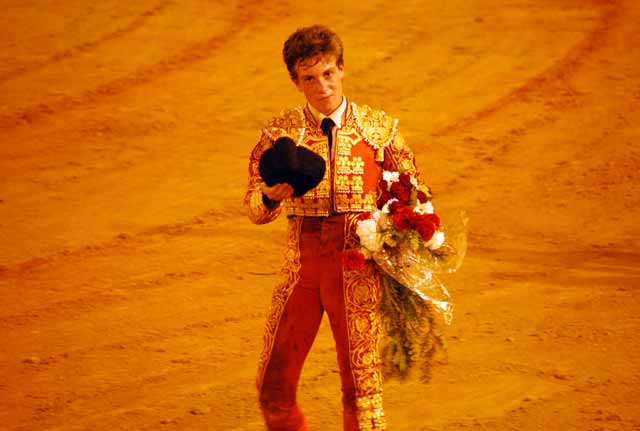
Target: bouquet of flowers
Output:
[{"x": 406, "y": 240}]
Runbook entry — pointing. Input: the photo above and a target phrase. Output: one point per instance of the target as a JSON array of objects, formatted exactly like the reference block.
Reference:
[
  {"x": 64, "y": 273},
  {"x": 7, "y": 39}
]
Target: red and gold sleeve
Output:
[
  {"x": 257, "y": 210},
  {"x": 399, "y": 157}
]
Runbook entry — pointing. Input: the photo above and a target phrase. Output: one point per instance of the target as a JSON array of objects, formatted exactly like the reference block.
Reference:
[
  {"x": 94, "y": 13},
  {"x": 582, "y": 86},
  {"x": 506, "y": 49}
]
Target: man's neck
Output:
[{"x": 336, "y": 115}]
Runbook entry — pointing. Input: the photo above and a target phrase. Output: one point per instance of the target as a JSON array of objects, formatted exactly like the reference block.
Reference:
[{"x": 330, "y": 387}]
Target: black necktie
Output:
[{"x": 327, "y": 126}]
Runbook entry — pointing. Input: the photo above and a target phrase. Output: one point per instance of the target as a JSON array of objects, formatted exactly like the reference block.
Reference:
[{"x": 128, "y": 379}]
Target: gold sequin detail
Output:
[
  {"x": 346, "y": 184},
  {"x": 362, "y": 300},
  {"x": 356, "y": 202},
  {"x": 376, "y": 127},
  {"x": 371, "y": 413},
  {"x": 346, "y": 165}
]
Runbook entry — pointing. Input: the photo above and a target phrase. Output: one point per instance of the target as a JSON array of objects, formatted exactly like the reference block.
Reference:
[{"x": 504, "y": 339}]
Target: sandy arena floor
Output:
[{"x": 134, "y": 289}]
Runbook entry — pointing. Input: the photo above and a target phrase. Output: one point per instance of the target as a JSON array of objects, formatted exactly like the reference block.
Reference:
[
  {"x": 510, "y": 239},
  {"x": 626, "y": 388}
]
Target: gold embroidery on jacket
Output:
[
  {"x": 312, "y": 206},
  {"x": 349, "y": 184},
  {"x": 356, "y": 202},
  {"x": 376, "y": 127},
  {"x": 398, "y": 156},
  {"x": 289, "y": 120},
  {"x": 353, "y": 166},
  {"x": 257, "y": 211},
  {"x": 345, "y": 140},
  {"x": 351, "y": 170}
]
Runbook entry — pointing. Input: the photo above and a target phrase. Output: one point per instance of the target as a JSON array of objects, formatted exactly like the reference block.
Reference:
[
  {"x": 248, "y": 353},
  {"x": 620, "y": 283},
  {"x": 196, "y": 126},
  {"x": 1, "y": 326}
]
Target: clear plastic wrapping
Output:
[{"x": 417, "y": 269}]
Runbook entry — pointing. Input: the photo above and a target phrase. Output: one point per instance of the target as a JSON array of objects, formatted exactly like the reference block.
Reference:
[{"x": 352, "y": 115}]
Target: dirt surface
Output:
[{"x": 134, "y": 289}]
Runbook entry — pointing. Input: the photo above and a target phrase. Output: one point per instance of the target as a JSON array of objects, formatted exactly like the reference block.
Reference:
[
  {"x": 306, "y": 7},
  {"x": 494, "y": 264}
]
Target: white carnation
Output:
[
  {"x": 370, "y": 238},
  {"x": 390, "y": 177},
  {"x": 436, "y": 240},
  {"x": 385, "y": 208},
  {"x": 425, "y": 208}
]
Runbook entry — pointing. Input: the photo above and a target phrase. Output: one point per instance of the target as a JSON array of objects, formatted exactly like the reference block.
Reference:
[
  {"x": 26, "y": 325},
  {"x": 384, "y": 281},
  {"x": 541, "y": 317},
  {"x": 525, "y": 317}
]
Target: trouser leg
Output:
[
  {"x": 334, "y": 304},
  {"x": 293, "y": 334},
  {"x": 356, "y": 336},
  {"x": 351, "y": 300}
]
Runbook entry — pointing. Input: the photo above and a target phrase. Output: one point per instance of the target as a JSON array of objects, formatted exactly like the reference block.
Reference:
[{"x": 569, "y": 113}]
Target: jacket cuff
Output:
[{"x": 271, "y": 204}]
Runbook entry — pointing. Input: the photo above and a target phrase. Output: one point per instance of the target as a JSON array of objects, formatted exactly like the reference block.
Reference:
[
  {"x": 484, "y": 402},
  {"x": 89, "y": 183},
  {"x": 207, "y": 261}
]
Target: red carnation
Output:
[
  {"x": 384, "y": 185},
  {"x": 405, "y": 179},
  {"x": 421, "y": 196},
  {"x": 426, "y": 225},
  {"x": 400, "y": 191},
  {"x": 433, "y": 218},
  {"x": 426, "y": 230},
  {"x": 416, "y": 219},
  {"x": 384, "y": 198},
  {"x": 403, "y": 217},
  {"x": 395, "y": 205},
  {"x": 404, "y": 195},
  {"x": 353, "y": 260},
  {"x": 364, "y": 216},
  {"x": 396, "y": 187}
]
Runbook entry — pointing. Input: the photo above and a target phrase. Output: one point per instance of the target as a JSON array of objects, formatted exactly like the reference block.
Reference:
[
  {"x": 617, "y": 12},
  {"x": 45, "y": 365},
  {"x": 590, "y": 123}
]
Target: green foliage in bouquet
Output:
[{"x": 412, "y": 337}]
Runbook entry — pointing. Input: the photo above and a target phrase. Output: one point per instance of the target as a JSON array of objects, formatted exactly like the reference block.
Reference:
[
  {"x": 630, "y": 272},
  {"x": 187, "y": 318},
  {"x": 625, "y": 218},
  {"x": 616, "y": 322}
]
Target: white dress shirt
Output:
[{"x": 337, "y": 115}]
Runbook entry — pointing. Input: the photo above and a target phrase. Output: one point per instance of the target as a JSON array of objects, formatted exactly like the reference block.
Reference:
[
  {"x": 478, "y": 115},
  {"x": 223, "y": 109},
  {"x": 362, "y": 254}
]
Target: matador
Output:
[{"x": 357, "y": 143}]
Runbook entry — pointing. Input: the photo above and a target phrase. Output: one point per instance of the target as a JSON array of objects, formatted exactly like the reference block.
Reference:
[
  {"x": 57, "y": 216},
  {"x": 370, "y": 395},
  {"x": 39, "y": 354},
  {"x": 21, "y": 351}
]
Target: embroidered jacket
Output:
[{"x": 366, "y": 144}]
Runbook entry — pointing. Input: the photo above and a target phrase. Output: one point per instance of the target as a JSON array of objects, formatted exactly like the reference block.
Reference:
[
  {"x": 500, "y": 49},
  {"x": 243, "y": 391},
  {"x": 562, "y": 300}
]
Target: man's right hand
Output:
[{"x": 277, "y": 192}]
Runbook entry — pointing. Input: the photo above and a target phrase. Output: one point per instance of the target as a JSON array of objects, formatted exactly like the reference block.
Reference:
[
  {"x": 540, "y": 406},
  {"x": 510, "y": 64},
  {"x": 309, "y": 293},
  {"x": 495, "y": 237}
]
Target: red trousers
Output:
[{"x": 318, "y": 288}]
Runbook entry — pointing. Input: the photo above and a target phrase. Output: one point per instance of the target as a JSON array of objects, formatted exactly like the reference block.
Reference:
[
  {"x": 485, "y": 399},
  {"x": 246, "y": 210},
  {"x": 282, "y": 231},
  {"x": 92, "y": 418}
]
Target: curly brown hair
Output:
[{"x": 309, "y": 42}]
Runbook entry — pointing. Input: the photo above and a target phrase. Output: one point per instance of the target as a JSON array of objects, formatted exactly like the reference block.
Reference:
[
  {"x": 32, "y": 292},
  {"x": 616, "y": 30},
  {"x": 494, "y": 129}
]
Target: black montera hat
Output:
[{"x": 285, "y": 162}]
